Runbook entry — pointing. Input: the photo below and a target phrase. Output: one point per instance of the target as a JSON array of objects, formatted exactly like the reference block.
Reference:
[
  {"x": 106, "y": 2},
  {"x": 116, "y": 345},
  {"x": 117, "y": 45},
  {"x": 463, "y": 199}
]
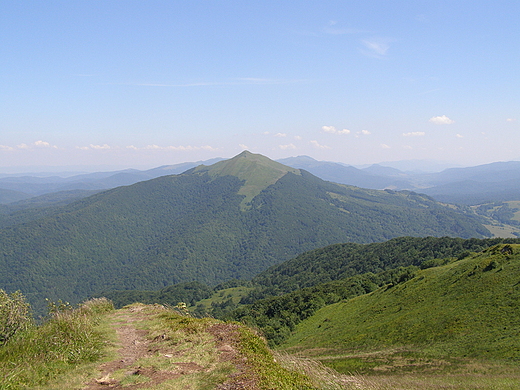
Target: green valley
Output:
[{"x": 232, "y": 219}]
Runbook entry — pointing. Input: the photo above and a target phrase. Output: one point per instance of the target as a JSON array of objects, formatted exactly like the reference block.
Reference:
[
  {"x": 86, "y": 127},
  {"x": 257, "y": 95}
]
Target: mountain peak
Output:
[{"x": 257, "y": 171}]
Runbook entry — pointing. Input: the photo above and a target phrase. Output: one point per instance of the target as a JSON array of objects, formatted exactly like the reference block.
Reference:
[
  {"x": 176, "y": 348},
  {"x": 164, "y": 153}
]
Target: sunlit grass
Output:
[{"x": 66, "y": 340}]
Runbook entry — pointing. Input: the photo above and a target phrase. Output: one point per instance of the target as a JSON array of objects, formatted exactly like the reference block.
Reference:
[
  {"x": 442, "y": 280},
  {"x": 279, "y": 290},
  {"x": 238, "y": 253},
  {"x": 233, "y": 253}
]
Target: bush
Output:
[{"x": 15, "y": 315}]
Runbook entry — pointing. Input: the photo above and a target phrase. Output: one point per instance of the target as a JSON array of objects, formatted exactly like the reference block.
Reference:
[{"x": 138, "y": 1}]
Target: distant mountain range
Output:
[
  {"x": 231, "y": 219},
  {"x": 495, "y": 182},
  {"x": 30, "y": 186}
]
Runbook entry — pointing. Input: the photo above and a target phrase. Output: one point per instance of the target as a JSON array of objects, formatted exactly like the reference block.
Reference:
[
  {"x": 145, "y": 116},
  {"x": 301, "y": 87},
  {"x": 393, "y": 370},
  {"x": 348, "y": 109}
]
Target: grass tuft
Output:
[{"x": 41, "y": 353}]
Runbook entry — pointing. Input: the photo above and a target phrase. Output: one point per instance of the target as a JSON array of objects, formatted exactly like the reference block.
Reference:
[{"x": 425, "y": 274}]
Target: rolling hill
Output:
[
  {"x": 231, "y": 219},
  {"x": 343, "y": 260},
  {"x": 464, "y": 309}
]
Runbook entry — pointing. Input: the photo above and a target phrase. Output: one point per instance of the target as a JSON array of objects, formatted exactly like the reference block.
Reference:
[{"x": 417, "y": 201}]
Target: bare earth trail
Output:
[{"x": 170, "y": 367}]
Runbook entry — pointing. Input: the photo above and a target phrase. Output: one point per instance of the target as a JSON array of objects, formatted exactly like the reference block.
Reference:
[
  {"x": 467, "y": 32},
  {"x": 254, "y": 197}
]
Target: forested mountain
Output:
[
  {"x": 229, "y": 220},
  {"x": 37, "y": 207},
  {"x": 282, "y": 296},
  {"x": 8, "y": 196}
]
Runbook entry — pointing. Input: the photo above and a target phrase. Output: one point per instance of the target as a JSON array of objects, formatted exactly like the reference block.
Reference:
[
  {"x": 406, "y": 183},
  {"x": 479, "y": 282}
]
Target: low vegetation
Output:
[{"x": 68, "y": 337}]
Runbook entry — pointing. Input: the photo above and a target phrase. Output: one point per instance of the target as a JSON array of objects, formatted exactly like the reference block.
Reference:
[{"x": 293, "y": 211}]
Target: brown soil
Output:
[
  {"x": 135, "y": 345},
  {"x": 227, "y": 338}
]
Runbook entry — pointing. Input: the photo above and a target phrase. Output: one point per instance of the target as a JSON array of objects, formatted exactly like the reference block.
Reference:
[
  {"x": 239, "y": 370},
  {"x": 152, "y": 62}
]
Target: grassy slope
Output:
[
  {"x": 257, "y": 171},
  {"x": 468, "y": 308}
]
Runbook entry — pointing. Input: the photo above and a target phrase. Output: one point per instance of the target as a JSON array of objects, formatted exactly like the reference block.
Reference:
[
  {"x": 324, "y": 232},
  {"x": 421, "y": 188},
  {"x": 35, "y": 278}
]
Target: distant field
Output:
[
  {"x": 503, "y": 231},
  {"x": 515, "y": 204},
  {"x": 235, "y": 293},
  {"x": 411, "y": 370}
]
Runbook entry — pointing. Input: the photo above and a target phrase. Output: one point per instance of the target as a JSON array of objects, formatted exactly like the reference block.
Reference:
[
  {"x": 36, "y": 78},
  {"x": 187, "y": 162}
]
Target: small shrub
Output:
[
  {"x": 57, "y": 307},
  {"x": 15, "y": 315},
  {"x": 97, "y": 306}
]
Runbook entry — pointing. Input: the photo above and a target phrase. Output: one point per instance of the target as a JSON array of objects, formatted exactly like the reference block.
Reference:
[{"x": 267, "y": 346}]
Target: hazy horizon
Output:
[{"x": 416, "y": 165}]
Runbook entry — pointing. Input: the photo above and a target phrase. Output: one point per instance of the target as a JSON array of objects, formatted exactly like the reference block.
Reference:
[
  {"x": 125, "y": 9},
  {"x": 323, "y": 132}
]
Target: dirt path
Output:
[
  {"x": 133, "y": 346},
  {"x": 128, "y": 371}
]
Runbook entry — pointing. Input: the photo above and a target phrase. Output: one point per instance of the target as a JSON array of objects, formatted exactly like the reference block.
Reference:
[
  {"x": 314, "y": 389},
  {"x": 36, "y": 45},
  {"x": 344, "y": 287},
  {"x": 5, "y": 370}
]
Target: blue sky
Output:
[{"x": 147, "y": 83}]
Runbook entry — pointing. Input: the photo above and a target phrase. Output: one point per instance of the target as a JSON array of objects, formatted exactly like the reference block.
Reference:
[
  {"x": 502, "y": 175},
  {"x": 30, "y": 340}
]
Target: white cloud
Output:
[
  {"x": 100, "y": 147},
  {"x": 459, "y": 136},
  {"x": 298, "y": 138},
  {"x": 441, "y": 120},
  {"x": 332, "y": 30},
  {"x": 317, "y": 145},
  {"x": 329, "y": 129},
  {"x": 132, "y": 147},
  {"x": 385, "y": 146},
  {"x": 82, "y": 147},
  {"x": 285, "y": 147},
  {"x": 333, "y": 130},
  {"x": 5, "y": 147},
  {"x": 43, "y": 144},
  {"x": 245, "y": 147},
  {"x": 414, "y": 134},
  {"x": 37, "y": 144},
  {"x": 181, "y": 147},
  {"x": 511, "y": 120},
  {"x": 364, "y": 132},
  {"x": 280, "y": 135},
  {"x": 377, "y": 47}
]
